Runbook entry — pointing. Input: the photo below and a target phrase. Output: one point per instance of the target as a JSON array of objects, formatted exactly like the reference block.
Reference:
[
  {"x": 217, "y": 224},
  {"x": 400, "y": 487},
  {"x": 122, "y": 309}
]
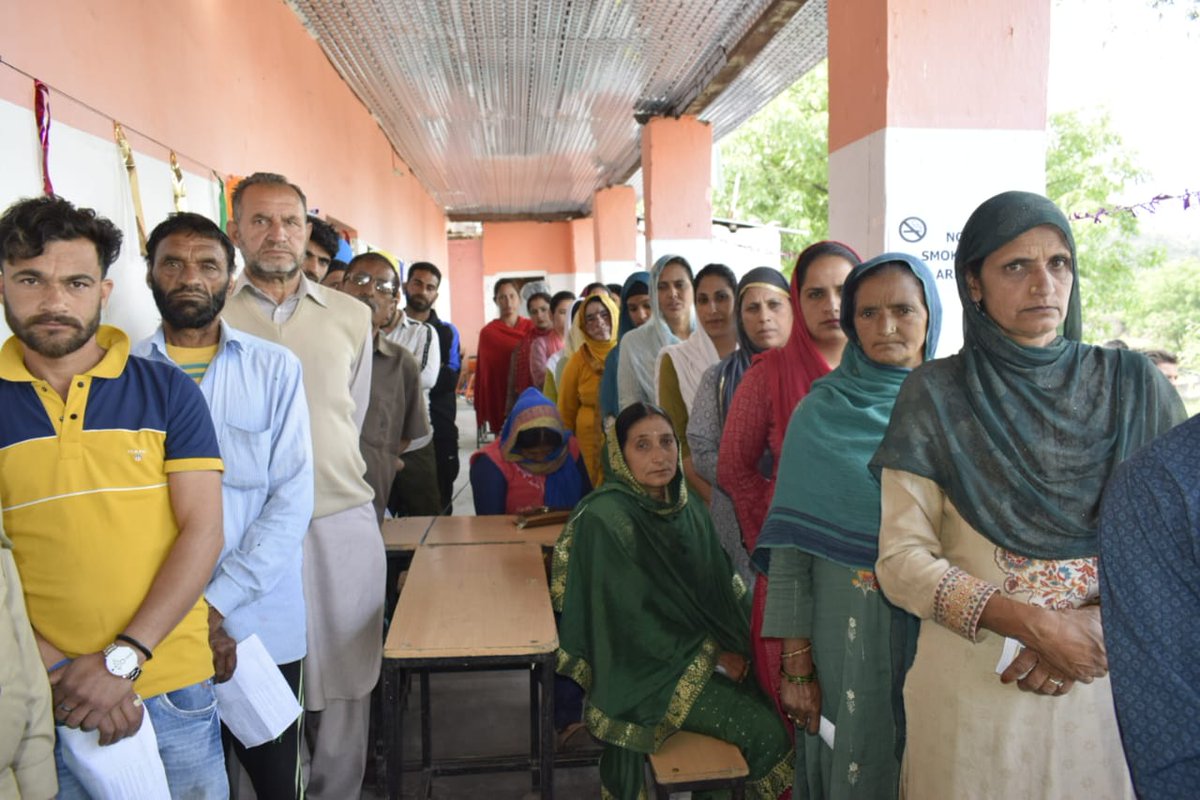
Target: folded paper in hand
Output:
[
  {"x": 130, "y": 769},
  {"x": 256, "y": 704}
]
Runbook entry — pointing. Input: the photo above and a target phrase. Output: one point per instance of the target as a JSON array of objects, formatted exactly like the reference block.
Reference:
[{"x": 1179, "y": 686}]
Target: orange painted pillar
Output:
[
  {"x": 933, "y": 108},
  {"x": 677, "y": 188},
  {"x": 614, "y": 229}
]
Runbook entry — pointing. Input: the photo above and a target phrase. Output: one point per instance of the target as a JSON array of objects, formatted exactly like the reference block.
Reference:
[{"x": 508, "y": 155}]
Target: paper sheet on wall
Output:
[
  {"x": 1012, "y": 648},
  {"x": 256, "y": 704},
  {"x": 131, "y": 769}
]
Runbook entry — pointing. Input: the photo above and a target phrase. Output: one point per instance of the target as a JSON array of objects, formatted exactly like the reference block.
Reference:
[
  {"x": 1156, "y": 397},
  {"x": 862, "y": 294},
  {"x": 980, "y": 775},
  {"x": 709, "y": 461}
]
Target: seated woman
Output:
[
  {"x": 535, "y": 462},
  {"x": 664, "y": 648}
]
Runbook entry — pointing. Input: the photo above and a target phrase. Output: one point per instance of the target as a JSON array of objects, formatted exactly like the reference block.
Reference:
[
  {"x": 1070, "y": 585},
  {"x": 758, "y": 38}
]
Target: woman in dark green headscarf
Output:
[
  {"x": 992, "y": 470},
  {"x": 654, "y": 624},
  {"x": 820, "y": 540}
]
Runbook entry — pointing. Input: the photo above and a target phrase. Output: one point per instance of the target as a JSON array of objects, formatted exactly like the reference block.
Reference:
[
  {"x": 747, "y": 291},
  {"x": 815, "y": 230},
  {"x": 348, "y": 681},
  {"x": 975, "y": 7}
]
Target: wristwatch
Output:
[{"x": 121, "y": 660}]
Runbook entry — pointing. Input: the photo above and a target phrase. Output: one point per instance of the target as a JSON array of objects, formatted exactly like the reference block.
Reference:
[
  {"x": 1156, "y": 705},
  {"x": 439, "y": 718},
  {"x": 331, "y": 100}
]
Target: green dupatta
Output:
[{"x": 648, "y": 599}]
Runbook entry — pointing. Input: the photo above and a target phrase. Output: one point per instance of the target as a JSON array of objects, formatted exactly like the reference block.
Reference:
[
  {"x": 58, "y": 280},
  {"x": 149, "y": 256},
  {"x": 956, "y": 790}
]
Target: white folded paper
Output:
[
  {"x": 1012, "y": 648},
  {"x": 826, "y": 730},
  {"x": 256, "y": 704},
  {"x": 130, "y": 769}
]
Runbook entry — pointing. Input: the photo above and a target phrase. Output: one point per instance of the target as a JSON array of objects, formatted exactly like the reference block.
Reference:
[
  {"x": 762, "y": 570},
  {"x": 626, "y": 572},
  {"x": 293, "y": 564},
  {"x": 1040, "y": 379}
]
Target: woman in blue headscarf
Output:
[
  {"x": 635, "y": 310},
  {"x": 820, "y": 540},
  {"x": 535, "y": 462}
]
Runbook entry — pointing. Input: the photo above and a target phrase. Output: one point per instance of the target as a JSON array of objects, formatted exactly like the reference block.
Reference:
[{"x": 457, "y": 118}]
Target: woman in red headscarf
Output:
[
  {"x": 762, "y": 406},
  {"x": 497, "y": 341}
]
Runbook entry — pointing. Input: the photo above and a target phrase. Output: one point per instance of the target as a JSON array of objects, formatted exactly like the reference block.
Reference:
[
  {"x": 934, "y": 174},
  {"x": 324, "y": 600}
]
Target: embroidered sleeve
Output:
[{"x": 959, "y": 601}]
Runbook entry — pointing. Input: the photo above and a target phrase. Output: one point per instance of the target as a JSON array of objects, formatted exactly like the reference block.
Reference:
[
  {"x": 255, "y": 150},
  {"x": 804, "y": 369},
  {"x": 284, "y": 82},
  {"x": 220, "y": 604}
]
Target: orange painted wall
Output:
[
  {"x": 980, "y": 64},
  {"x": 466, "y": 263},
  {"x": 527, "y": 247},
  {"x": 677, "y": 170},
  {"x": 235, "y": 86}
]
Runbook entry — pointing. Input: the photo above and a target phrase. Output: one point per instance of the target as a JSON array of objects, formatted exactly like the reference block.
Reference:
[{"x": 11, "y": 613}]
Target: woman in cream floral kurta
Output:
[{"x": 969, "y": 735}]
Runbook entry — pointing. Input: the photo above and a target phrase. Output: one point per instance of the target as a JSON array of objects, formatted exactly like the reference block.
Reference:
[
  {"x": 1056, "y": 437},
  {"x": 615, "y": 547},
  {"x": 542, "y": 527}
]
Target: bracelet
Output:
[
  {"x": 798, "y": 652},
  {"x": 58, "y": 665},
  {"x": 798, "y": 680},
  {"x": 123, "y": 637}
]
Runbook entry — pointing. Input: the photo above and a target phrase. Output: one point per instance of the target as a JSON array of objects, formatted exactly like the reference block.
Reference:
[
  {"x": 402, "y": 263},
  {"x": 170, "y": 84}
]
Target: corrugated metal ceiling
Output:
[{"x": 526, "y": 107}]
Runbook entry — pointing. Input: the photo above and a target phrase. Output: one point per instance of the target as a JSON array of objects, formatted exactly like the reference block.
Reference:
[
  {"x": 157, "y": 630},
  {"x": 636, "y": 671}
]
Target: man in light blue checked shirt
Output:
[{"x": 255, "y": 394}]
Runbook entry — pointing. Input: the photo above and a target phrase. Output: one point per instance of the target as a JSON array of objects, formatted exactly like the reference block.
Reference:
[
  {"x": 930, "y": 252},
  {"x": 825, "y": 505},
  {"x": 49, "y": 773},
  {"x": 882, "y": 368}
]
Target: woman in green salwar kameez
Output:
[
  {"x": 654, "y": 624},
  {"x": 845, "y": 647}
]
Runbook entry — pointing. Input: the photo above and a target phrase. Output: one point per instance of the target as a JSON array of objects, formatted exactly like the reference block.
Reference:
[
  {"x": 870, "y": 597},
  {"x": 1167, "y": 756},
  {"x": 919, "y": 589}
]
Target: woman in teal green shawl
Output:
[
  {"x": 820, "y": 540},
  {"x": 650, "y": 610}
]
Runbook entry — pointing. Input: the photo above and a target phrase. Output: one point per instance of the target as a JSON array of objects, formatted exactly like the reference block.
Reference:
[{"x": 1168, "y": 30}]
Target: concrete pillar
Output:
[
  {"x": 933, "y": 108},
  {"x": 677, "y": 188},
  {"x": 614, "y": 229},
  {"x": 583, "y": 252}
]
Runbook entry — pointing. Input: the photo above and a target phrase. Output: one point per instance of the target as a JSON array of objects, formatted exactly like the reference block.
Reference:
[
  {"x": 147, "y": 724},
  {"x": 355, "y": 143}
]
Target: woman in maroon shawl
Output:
[
  {"x": 758, "y": 416},
  {"x": 497, "y": 341}
]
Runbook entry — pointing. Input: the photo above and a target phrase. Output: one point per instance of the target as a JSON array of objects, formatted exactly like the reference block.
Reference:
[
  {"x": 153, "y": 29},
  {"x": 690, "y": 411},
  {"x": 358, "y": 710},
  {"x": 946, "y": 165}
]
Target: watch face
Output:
[{"x": 120, "y": 660}]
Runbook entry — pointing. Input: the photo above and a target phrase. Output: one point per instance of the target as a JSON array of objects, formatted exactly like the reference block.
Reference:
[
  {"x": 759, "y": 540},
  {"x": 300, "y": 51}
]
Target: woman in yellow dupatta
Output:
[{"x": 579, "y": 392}]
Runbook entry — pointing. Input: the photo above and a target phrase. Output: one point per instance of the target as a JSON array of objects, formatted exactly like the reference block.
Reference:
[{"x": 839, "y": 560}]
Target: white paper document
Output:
[
  {"x": 130, "y": 769},
  {"x": 1012, "y": 648},
  {"x": 826, "y": 730},
  {"x": 256, "y": 703}
]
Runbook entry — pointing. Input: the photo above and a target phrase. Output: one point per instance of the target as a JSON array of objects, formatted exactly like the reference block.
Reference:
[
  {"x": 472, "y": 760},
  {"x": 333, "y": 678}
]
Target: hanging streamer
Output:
[
  {"x": 131, "y": 168},
  {"x": 222, "y": 206},
  {"x": 41, "y": 105},
  {"x": 177, "y": 187}
]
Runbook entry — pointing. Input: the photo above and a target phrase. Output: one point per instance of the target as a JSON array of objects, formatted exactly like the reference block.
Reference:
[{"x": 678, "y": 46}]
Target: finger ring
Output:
[
  {"x": 65, "y": 707},
  {"x": 1026, "y": 673},
  {"x": 1057, "y": 683},
  {"x": 137, "y": 700}
]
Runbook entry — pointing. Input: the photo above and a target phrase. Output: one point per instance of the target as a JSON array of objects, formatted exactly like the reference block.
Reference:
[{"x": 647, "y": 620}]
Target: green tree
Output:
[
  {"x": 1169, "y": 309},
  {"x": 1087, "y": 166},
  {"x": 775, "y": 166}
]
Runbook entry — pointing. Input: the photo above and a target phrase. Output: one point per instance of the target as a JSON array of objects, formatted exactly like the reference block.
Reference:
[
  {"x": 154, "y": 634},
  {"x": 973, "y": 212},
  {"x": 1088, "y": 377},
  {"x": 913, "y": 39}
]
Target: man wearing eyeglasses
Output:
[
  {"x": 415, "y": 491},
  {"x": 396, "y": 415},
  {"x": 331, "y": 335}
]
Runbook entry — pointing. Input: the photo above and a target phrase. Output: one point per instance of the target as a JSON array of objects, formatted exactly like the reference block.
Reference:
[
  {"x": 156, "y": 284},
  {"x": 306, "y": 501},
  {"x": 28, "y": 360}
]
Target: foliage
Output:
[
  {"x": 1087, "y": 166},
  {"x": 1170, "y": 309},
  {"x": 775, "y": 166}
]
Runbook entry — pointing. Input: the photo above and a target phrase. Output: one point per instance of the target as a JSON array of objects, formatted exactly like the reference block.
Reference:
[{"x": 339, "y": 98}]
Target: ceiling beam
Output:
[
  {"x": 548, "y": 216},
  {"x": 769, "y": 23}
]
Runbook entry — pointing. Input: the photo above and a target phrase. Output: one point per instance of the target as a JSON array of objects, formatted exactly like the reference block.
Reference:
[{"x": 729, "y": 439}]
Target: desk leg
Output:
[
  {"x": 393, "y": 724},
  {"x": 547, "y": 749},
  {"x": 426, "y": 724},
  {"x": 535, "y": 723}
]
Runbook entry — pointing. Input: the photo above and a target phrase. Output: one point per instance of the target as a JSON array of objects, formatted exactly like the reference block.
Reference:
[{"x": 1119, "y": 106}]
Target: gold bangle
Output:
[
  {"x": 798, "y": 652},
  {"x": 798, "y": 680}
]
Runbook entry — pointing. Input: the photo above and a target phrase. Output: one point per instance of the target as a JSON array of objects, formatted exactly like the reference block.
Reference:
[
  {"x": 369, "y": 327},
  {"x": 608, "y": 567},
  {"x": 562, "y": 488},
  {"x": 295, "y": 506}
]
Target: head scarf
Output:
[
  {"x": 643, "y": 345},
  {"x": 826, "y": 500},
  {"x": 1023, "y": 439},
  {"x": 564, "y": 484},
  {"x": 646, "y": 658},
  {"x": 636, "y": 284},
  {"x": 736, "y": 363},
  {"x": 798, "y": 363},
  {"x": 692, "y": 357},
  {"x": 597, "y": 351}
]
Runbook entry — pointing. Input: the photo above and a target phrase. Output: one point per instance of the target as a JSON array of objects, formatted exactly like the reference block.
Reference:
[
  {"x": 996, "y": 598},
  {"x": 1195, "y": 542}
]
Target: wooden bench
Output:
[{"x": 691, "y": 762}]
